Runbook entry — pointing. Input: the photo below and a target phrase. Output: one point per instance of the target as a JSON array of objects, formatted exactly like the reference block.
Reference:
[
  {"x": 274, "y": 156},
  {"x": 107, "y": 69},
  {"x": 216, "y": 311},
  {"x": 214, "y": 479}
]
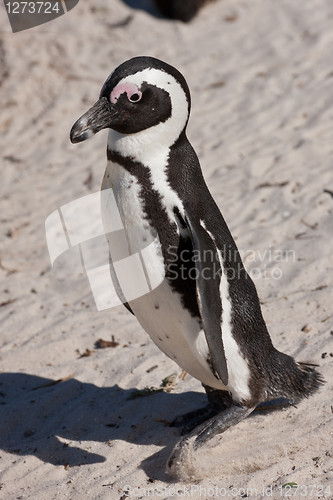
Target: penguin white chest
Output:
[{"x": 160, "y": 312}]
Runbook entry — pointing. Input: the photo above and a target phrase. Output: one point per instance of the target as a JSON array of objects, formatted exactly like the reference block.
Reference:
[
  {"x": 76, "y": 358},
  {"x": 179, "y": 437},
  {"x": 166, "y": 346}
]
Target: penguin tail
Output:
[
  {"x": 309, "y": 379},
  {"x": 294, "y": 380}
]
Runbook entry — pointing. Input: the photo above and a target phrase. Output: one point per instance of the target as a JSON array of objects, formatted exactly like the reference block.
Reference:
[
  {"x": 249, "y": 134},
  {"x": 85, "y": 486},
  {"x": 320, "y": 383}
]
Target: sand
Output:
[{"x": 261, "y": 77}]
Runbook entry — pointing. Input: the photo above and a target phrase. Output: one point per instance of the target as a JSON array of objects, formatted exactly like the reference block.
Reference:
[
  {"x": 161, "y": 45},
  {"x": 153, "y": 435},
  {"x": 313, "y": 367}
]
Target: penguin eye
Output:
[{"x": 135, "y": 97}]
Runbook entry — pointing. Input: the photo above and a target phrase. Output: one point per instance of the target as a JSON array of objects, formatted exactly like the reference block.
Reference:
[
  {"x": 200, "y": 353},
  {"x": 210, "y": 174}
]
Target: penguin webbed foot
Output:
[
  {"x": 221, "y": 422},
  {"x": 184, "y": 453},
  {"x": 276, "y": 404},
  {"x": 192, "y": 419},
  {"x": 218, "y": 401}
]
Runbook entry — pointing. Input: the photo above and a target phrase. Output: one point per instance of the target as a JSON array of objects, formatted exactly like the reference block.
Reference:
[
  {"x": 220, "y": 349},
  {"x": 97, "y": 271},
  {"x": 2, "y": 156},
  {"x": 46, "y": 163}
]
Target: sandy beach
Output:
[{"x": 73, "y": 424}]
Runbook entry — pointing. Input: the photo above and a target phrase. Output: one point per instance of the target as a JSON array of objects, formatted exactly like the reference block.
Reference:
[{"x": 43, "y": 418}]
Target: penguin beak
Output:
[{"x": 94, "y": 120}]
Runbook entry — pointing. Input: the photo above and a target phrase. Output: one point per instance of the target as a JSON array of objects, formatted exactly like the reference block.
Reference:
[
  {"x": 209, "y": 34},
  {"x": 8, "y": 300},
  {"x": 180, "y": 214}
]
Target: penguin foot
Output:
[
  {"x": 184, "y": 453},
  {"x": 275, "y": 405},
  {"x": 220, "y": 423},
  {"x": 218, "y": 401},
  {"x": 191, "y": 420}
]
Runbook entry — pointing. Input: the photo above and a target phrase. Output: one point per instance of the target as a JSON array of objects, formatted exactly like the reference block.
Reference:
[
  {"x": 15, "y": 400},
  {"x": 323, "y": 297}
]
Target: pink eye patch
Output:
[{"x": 130, "y": 89}]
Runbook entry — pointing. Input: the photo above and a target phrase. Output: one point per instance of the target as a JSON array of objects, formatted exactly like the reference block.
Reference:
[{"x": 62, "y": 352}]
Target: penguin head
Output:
[{"x": 141, "y": 95}]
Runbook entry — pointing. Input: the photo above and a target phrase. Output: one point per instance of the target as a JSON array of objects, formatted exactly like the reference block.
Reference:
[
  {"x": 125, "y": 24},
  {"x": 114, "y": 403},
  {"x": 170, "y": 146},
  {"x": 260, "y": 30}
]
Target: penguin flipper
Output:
[{"x": 208, "y": 293}]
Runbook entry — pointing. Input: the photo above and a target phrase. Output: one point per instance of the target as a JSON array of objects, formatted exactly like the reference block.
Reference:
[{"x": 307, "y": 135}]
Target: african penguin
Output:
[{"x": 205, "y": 313}]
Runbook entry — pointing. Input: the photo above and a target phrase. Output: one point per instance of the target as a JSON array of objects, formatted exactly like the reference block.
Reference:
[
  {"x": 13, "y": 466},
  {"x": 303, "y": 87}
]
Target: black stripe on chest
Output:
[
  {"x": 154, "y": 210},
  {"x": 173, "y": 246}
]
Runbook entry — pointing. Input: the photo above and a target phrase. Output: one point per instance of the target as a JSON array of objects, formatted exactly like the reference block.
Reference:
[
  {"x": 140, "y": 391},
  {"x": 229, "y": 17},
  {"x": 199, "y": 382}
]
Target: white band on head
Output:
[{"x": 162, "y": 136}]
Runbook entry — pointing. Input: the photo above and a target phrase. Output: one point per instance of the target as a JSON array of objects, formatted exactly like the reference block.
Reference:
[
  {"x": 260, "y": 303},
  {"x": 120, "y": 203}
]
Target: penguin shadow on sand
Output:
[{"x": 41, "y": 417}]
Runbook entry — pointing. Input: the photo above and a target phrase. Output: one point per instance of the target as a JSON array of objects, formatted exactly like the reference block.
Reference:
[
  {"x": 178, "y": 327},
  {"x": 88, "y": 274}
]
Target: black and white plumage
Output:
[{"x": 211, "y": 325}]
